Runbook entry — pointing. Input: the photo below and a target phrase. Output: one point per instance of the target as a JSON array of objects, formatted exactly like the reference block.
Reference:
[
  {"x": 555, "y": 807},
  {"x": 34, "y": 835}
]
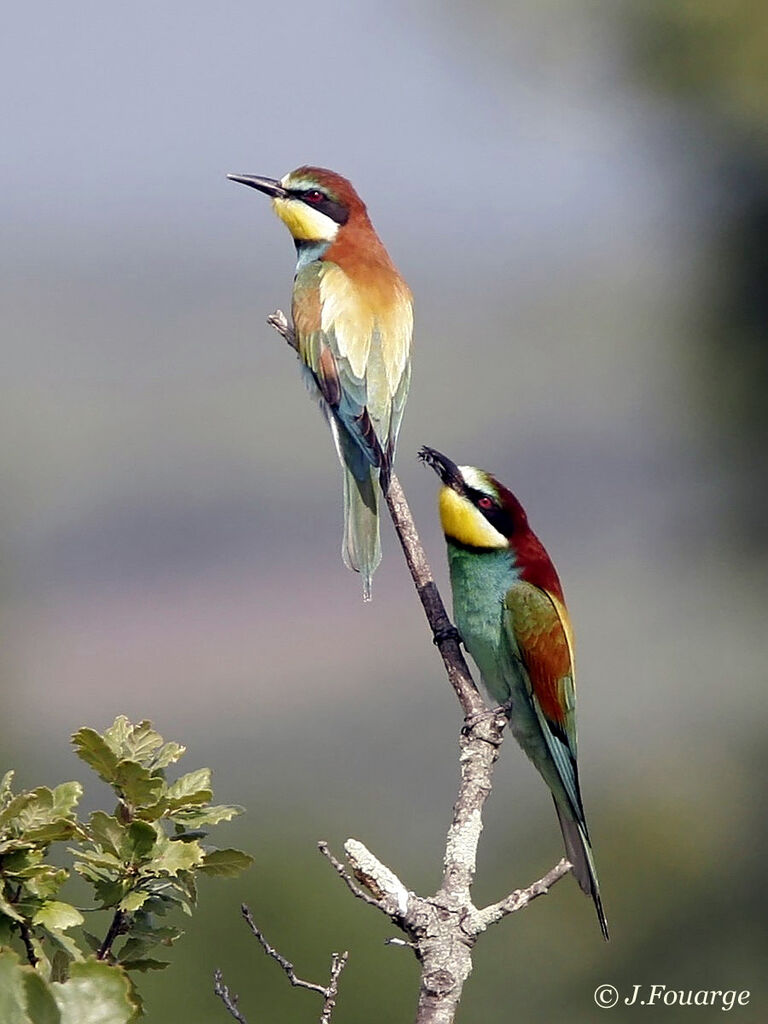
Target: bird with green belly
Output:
[{"x": 509, "y": 608}]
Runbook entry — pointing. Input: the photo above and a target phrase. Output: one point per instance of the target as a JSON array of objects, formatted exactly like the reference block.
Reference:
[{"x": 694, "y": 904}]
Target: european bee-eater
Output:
[
  {"x": 353, "y": 317},
  {"x": 509, "y": 609}
]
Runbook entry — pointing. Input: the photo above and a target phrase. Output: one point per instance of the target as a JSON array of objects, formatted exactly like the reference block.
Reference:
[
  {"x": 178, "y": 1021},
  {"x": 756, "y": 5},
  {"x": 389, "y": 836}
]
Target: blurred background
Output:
[{"x": 577, "y": 193}]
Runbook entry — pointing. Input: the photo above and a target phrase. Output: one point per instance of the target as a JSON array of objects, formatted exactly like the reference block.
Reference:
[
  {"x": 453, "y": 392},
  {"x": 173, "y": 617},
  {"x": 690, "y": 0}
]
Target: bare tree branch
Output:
[
  {"x": 229, "y": 999},
  {"x": 347, "y": 878},
  {"x": 329, "y": 992},
  {"x": 521, "y": 897},
  {"x": 441, "y": 929},
  {"x": 286, "y": 965}
]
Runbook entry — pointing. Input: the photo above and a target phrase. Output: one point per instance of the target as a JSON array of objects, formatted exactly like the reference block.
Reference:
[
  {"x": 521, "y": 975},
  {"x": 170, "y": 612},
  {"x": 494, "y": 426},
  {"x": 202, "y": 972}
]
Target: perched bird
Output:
[
  {"x": 509, "y": 609},
  {"x": 353, "y": 317}
]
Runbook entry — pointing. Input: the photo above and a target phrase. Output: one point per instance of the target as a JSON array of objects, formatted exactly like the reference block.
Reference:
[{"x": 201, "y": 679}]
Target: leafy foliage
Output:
[{"x": 141, "y": 862}]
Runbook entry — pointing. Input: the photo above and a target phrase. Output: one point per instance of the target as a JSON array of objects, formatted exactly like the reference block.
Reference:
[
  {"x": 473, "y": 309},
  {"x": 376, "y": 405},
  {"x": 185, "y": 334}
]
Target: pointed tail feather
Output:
[
  {"x": 579, "y": 853},
  {"x": 361, "y": 549}
]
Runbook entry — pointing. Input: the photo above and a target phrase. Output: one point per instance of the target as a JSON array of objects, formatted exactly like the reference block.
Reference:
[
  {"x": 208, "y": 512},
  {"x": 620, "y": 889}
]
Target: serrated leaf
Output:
[
  {"x": 46, "y": 880},
  {"x": 134, "y": 900},
  {"x": 96, "y": 752},
  {"x": 141, "y": 741},
  {"x": 41, "y": 1006},
  {"x": 194, "y": 817},
  {"x": 8, "y": 846},
  {"x": 66, "y": 797},
  {"x": 141, "y": 839},
  {"x": 117, "y": 735},
  {"x": 144, "y": 964},
  {"x": 109, "y": 893},
  {"x": 136, "y": 784},
  {"x": 176, "y": 857},
  {"x": 106, "y": 831},
  {"x": 144, "y": 930},
  {"x": 15, "y": 807},
  {"x": 136, "y": 946},
  {"x": 56, "y": 831},
  {"x": 227, "y": 863},
  {"x": 192, "y": 788},
  {"x": 154, "y": 812},
  {"x": 58, "y": 916},
  {"x": 107, "y": 861},
  {"x": 96, "y": 993},
  {"x": 168, "y": 754}
]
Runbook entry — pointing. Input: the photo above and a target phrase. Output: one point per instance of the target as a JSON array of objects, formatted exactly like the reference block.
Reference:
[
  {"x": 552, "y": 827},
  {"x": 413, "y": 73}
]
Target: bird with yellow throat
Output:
[{"x": 353, "y": 318}]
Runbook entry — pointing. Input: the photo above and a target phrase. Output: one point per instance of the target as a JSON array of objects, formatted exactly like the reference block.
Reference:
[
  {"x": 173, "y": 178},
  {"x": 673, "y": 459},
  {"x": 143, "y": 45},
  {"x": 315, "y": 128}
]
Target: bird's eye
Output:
[
  {"x": 313, "y": 196},
  {"x": 486, "y": 503}
]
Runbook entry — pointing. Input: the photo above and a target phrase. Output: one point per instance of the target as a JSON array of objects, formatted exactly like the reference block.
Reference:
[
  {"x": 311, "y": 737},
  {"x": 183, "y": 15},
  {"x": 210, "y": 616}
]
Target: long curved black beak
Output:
[
  {"x": 447, "y": 471},
  {"x": 267, "y": 185}
]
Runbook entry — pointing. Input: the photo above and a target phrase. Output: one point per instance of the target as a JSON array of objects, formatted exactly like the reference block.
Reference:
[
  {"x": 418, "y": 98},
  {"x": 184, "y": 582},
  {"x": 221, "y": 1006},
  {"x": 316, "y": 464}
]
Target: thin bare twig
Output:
[
  {"x": 286, "y": 965},
  {"x": 329, "y": 992},
  {"x": 347, "y": 878},
  {"x": 229, "y": 999},
  {"x": 522, "y": 897}
]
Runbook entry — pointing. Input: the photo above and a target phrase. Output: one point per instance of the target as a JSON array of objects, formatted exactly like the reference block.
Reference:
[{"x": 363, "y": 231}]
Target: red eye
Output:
[
  {"x": 486, "y": 503},
  {"x": 313, "y": 196}
]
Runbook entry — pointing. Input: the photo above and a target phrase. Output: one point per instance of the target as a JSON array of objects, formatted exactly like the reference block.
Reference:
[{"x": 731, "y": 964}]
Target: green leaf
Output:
[
  {"x": 60, "y": 965},
  {"x": 145, "y": 964},
  {"x": 65, "y": 945},
  {"x": 168, "y": 754},
  {"x": 106, "y": 831},
  {"x": 176, "y": 857},
  {"x": 96, "y": 752},
  {"x": 193, "y": 788},
  {"x": 58, "y": 916},
  {"x": 44, "y": 880},
  {"x": 226, "y": 863},
  {"x": 116, "y": 736},
  {"x": 195, "y": 817},
  {"x": 96, "y": 993},
  {"x": 134, "y": 900},
  {"x": 41, "y": 1006},
  {"x": 107, "y": 861},
  {"x": 12, "y": 994},
  {"x": 140, "y": 841},
  {"x": 6, "y": 930},
  {"x": 5, "y": 788},
  {"x": 136, "y": 784},
  {"x": 10, "y": 911},
  {"x": 51, "y": 832},
  {"x": 91, "y": 940},
  {"x": 142, "y": 741},
  {"x": 109, "y": 893},
  {"x": 66, "y": 797},
  {"x": 15, "y": 807}
]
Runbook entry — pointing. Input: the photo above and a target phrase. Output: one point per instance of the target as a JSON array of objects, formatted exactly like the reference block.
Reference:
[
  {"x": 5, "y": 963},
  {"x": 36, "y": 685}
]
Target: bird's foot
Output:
[
  {"x": 448, "y": 632},
  {"x": 502, "y": 711}
]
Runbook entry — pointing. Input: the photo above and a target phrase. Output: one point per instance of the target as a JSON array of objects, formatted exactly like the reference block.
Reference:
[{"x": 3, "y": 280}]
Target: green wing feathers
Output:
[{"x": 538, "y": 629}]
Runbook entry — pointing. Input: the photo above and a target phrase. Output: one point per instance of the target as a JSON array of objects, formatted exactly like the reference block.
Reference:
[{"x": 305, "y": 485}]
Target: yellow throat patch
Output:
[
  {"x": 462, "y": 522},
  {"x": 304, "y": 223}
]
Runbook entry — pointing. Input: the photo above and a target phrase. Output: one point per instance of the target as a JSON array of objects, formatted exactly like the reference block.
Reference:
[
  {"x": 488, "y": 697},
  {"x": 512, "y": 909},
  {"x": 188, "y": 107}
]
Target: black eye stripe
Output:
[
  {"x": 498, "y": 517},
  {"x": 330, "y": 207}
]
